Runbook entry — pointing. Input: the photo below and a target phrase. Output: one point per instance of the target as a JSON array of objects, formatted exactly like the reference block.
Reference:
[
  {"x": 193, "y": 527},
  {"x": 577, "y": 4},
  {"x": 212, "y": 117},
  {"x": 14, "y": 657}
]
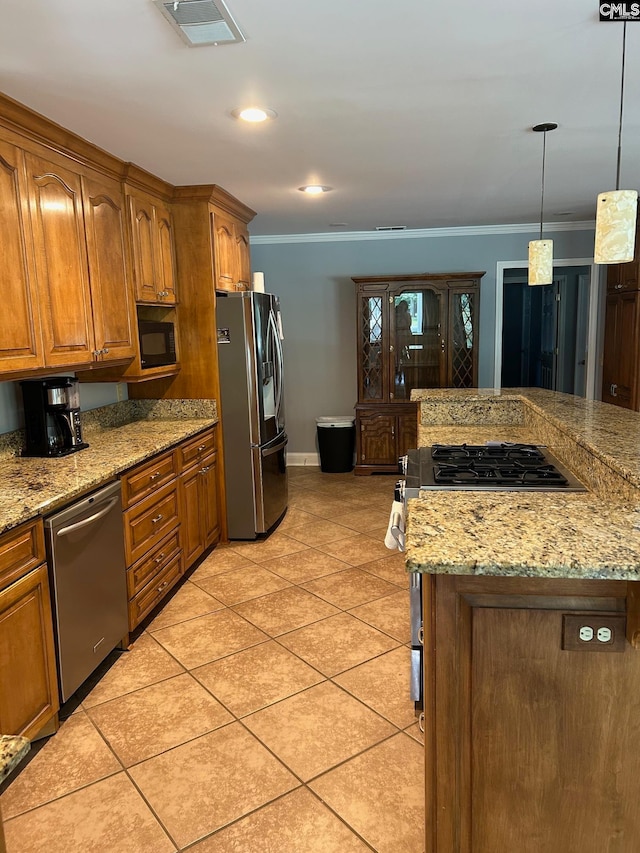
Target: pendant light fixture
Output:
[
  {"x": 616, "y": 210},
  {"x": 541, "y": 251}
]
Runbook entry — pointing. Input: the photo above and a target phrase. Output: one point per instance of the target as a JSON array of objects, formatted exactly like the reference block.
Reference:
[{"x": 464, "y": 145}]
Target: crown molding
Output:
[{"x": 421, "y": 233}]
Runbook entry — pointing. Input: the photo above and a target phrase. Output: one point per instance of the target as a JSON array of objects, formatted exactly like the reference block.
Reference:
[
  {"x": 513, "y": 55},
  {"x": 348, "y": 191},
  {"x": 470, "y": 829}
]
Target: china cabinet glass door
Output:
[{"x": 418, "y": 356}]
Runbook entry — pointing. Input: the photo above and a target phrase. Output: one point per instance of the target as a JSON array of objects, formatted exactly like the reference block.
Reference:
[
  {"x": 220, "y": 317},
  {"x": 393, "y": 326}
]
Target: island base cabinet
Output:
[{"x": 529, "y": 746}]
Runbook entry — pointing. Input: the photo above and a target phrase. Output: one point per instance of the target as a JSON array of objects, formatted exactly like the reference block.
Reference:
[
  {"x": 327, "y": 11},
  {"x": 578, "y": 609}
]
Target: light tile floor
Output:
[{"x": 263, "y": 709}]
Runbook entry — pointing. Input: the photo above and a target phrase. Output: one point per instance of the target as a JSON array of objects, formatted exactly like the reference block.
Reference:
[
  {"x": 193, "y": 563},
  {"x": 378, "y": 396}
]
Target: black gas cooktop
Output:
[{"x": 492, "y": 466}]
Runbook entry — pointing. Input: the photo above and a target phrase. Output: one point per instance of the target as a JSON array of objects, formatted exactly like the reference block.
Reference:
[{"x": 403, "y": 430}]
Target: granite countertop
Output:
[
  {"x": 591, "y": 535},
  {"x": 12, "y": 750},
  {"x": 37, "y": 486}
]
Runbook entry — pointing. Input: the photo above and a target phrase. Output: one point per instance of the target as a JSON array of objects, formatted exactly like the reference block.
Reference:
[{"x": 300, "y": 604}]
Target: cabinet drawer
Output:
[
  {"x": 146, "y": 479},
  {"x": 192, "y": 451},
  {"x": 149, "y": 521},
  {"x": 155, "y": 591},
  {"x": 21, "y": 550},
  {"x": 152, "y": 564}
]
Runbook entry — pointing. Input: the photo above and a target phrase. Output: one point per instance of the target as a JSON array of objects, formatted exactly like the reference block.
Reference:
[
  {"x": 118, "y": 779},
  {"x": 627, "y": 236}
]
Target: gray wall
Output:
[{"x": 313, "y": 281}]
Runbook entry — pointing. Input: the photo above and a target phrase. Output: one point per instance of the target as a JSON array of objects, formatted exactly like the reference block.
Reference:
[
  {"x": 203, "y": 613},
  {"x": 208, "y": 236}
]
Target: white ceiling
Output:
[{"x": 417, "y": 112}]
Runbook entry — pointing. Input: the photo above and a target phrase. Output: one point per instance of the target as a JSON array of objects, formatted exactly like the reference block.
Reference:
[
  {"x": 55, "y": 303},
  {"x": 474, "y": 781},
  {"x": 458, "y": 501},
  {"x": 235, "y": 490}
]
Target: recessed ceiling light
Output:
[
  {"x": 315, "y": 189},
  {"x": 254, "y": 114}
]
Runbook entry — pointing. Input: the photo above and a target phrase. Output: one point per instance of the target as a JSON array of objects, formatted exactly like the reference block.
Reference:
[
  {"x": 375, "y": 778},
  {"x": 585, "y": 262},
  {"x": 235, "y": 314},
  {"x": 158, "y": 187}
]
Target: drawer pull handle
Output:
[
  {"x": 204, "y": 470},
  {"x": 202, "y": 447},
  {"x": 159, "y": 558},
  {"x": 154, "y": 476},
  {"x": 158, "y": 518},
  {"x": 163, "y": 585}
]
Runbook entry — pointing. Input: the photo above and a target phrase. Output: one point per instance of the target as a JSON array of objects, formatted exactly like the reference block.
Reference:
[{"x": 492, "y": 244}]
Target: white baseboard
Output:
[{"x": 301, "y": 459}]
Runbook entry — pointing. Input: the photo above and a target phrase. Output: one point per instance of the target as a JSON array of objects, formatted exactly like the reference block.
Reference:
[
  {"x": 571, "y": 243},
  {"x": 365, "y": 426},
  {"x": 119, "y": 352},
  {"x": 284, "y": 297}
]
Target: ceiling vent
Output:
[
  {"x": 391, "y": 227},
  {"x": 201, "y": 22}
]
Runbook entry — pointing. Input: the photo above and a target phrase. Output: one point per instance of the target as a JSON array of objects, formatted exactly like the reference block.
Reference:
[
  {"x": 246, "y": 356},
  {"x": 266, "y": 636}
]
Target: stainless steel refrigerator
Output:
[{"x": 252, "y": 411}]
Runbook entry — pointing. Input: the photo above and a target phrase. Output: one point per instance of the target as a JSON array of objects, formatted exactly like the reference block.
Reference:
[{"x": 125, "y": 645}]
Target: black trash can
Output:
[{"x": 336, "y": 443}]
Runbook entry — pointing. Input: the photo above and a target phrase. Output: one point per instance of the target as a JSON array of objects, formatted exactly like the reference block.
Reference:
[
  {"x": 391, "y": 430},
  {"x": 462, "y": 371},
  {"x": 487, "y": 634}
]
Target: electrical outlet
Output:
[{"x": 593, "y": 633}]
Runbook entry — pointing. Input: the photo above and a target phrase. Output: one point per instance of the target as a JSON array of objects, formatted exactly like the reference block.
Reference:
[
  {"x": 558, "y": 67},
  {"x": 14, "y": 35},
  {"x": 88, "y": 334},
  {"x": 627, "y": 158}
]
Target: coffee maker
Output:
[{"x": 52, "y": 416}]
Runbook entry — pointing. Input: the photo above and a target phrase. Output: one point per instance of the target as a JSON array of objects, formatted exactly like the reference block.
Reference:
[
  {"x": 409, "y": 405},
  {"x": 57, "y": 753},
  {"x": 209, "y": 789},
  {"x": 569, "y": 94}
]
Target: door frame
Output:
[{"x": 592, "y": 380}]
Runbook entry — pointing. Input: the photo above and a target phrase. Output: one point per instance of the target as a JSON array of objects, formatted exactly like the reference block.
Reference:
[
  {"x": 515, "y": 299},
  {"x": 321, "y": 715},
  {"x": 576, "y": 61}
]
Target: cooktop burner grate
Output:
[{"x": 494, "y": 466}]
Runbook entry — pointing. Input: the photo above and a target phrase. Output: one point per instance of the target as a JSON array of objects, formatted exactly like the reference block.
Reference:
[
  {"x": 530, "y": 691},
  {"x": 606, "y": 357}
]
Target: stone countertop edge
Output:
[
  {"x": 586, "y": 407},
  {"x": 34, "y": 486},
  {"x": 12, "y": 750},
  {"x": 580, "y": 536}
]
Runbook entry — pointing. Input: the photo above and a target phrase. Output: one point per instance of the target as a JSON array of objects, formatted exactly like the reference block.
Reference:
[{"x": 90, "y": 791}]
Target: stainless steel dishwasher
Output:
[{"x": 85, "y": 550}]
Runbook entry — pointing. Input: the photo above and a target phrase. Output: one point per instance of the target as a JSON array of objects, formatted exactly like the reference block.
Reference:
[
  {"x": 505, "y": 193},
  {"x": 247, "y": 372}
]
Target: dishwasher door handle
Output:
[{"x": 85, "y": 521}]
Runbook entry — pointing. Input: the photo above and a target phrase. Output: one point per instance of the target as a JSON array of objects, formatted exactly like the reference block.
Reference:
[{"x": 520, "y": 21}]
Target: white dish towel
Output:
[{"x": 396, "y": 518}]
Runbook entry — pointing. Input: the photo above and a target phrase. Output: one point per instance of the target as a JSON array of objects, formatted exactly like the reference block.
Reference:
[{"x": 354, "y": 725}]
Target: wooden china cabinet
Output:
[{"x": 414, "y": 331}]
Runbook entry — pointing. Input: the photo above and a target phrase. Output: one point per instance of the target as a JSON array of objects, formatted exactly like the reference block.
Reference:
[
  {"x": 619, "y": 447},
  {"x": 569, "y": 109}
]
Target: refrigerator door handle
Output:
[
  {"x": 278, "y": 365},
  {"x": 275, "y": 448}
]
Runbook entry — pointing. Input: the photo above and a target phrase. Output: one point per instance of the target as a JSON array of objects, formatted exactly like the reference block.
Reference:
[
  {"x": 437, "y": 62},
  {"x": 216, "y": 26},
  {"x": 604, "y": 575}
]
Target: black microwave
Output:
[{"x": 157, "y": 343}]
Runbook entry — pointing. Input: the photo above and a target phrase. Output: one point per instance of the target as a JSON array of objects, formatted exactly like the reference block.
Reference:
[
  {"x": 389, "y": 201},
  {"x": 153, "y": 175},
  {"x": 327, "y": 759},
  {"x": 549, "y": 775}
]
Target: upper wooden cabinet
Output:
[
  {"x": 62, "y": 274},
  {"x": 109, "y": 278},
  {"x": 20, "y": 337},
  {"x": 232, "y": 254},
  {"x": 153, "y": 244}
]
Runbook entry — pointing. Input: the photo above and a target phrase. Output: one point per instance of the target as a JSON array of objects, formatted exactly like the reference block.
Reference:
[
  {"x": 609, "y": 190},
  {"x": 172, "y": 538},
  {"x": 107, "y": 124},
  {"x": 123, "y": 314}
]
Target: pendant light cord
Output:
[
  {"x": 544, "y": 152},
  {"x": 624, "y": 47}
]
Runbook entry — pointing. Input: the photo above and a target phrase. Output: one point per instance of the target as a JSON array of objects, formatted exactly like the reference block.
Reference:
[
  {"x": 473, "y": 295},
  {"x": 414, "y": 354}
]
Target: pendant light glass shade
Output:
[
  {"x": 541, "y": 262},
  {"x": 616, "y": 227},
  {"x": 541, "y": 251},
  {"x": 617, "y": 210}
]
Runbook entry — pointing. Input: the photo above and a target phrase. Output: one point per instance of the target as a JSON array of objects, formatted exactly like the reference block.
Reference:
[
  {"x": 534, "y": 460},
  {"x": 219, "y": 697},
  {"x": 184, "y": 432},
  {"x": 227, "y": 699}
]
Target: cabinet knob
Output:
[
  {"x": 614, "y": 390},
  {"x": 618, "y": 287}
]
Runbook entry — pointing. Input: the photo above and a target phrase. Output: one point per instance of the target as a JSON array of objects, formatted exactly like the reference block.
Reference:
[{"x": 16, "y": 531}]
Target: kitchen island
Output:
[{"x": 531, "y": 617}]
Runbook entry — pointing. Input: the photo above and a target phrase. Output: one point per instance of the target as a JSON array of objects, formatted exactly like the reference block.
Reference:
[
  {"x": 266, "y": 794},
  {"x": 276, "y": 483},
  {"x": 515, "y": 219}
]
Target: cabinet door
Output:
[
  {"x": 373, "y": 344},
  {"x": 28, "y": 686},
  {"x": 378, "y": 440},
  {"x": 166, "y": 257},
  {"x": 61, "y": 263},
  {"x": 209, "y": 501},
  {"x": 190, "y": 527},
  {"x": 407, "y": 433},
  {"x": 418, "y": 331},
  {"x": 20, "y": 342},
  {"x": 111, "y": 298},
  {"x": 225, "y": 252},
  {"x": 461, "y": 345},
  {"x": 243, "y": 258},
  {"x": 142, "y": 227},
  {"x": 621, "y": 350}
]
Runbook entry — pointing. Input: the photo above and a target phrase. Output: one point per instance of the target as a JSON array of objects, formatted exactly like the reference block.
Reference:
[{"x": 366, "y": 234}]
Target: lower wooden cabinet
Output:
[
  {"x": 531, "y": 735},
  {"x": 170, "y": 518},
  {"x": 198, "y": 491},
  {"x": 28, "y": 680},
  {"x": 383, "y": 434}
]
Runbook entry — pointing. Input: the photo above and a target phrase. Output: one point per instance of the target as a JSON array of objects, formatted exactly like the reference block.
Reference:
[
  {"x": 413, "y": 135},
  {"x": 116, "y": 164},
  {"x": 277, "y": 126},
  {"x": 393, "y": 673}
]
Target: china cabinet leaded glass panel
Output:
[
  {"x": 462, "y": 343},
  {"x": 371, "y": 367},
  {"x": 417, "y": 355}
]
